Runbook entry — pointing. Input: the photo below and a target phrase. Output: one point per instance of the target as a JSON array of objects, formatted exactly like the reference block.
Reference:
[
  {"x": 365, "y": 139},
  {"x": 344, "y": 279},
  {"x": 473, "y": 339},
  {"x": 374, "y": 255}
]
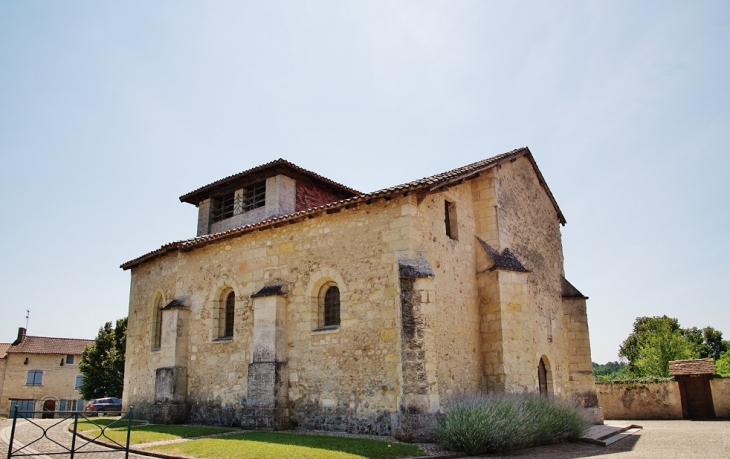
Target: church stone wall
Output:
[
  {"x": 344, "y": 379},
  {"x": 536, "y": 321},
  {"x": 455, "y": 317}
]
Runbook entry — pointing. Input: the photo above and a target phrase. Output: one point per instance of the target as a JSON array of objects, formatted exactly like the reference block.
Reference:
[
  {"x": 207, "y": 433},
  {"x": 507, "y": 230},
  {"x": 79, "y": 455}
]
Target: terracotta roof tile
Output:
[
  {"x": 3, "y": 349},
  {"x": 692, "y": 367},
  {"x": 431, "y": 183},
  {"x": 45, "y": 345}
]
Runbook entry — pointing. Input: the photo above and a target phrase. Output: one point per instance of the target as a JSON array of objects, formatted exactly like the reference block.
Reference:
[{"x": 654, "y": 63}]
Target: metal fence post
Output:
[
  {"x": 129, "y": 431},
  {"x": 12, "y": 432},
  {"x": 73, "y": 437}
]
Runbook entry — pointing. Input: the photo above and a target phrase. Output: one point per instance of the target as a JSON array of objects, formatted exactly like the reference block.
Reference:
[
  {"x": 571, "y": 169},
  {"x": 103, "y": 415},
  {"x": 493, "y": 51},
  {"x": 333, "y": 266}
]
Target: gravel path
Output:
[
  {"x": 56, "y": 439},
  {"x": 657, "y": 440}
]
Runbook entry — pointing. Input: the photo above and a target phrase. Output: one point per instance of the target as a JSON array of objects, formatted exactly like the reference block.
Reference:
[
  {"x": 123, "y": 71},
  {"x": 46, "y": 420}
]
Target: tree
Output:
[
  {"x": 722, "y": 365},
  {"x": 102, "y": 363},
  {"x": 707, "y": 342},
  {"x": 653, "y": 343},
  {"x": 610, "y": 371}
]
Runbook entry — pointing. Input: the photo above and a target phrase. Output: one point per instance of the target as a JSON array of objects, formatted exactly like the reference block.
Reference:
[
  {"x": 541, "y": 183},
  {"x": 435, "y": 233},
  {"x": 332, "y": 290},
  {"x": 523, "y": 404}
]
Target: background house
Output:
[{"x": 41, "y": 373}]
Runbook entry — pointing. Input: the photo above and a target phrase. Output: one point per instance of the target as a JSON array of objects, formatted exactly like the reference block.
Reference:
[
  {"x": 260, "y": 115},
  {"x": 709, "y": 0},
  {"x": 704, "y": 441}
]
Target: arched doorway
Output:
[
  {"x": 49, "y": 406},
  {"x": 544, "y": 377}
]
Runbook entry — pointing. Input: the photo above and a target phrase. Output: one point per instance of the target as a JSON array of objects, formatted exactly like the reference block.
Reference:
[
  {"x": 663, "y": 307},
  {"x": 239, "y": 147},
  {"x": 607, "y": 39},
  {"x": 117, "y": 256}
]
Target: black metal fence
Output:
[{"x": 78, "y": 445}]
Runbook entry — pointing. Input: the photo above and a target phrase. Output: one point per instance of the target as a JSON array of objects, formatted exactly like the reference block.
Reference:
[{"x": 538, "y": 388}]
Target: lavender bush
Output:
[{"x": 478, "y": 423}]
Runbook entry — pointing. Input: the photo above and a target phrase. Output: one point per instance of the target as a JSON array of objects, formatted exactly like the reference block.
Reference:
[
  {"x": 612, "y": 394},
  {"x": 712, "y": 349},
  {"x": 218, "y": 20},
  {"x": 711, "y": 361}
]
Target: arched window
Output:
[
  {"x": 544, "y": 377},
  {"x": 157, "y": 333},
  {"x": 331, "y": 306},
  {"x": 228, "y": 315}
]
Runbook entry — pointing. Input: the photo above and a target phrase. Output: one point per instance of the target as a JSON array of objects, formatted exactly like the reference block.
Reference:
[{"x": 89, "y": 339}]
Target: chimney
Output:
[{"x": 21, "y": 336}]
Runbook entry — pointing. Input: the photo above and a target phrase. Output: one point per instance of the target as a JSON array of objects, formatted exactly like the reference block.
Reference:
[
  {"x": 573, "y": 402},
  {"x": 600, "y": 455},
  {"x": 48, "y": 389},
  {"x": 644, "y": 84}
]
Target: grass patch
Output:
[
  {"x": 146, "y": 433},
  {"x": 264, "y": 445},
  {"x": 478, "y": 423}
]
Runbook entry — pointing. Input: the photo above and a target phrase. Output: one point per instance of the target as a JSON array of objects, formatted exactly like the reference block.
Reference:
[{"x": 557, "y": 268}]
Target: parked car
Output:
[{"x": 104, "y": 406}]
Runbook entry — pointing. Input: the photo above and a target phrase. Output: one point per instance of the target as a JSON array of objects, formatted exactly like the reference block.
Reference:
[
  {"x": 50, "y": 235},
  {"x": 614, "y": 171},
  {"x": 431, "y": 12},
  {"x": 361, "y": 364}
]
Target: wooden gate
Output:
[{"x": 696, "y": 397}]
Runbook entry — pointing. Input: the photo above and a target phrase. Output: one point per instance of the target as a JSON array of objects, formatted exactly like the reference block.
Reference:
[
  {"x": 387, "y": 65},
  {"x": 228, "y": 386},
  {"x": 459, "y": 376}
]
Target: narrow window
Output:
[
  {"x": 35, "y": 378},
  {"x": 549, "y": 316},
  {"x": 229, "y": 315},
  {"x": 157, "y": 337},
  {"x": 450, "y": 220},
  {"x": 79, "y": 381},
  {"x": 332, "y": 306},
  {"x": 69, "y": 359}
]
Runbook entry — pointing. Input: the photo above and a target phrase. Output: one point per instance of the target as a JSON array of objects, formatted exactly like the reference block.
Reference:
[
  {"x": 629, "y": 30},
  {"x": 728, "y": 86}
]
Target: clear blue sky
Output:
[{"x": 111, "y": 110}]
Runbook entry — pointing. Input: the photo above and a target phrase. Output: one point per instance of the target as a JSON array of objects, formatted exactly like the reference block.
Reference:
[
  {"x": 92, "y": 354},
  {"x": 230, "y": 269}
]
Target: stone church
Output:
[{"x": 302, "y": 302}]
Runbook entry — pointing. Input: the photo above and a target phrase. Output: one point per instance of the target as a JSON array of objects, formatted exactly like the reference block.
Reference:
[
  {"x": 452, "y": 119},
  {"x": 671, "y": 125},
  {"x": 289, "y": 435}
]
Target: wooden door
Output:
[
  {"x": 49, "y": 406},
  {"x": 696, "y": 397},
  {"x": 542, "y": 378}
]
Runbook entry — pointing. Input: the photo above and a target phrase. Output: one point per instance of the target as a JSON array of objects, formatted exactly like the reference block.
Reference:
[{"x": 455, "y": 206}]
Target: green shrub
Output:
[{"x": 478, "y": 423}]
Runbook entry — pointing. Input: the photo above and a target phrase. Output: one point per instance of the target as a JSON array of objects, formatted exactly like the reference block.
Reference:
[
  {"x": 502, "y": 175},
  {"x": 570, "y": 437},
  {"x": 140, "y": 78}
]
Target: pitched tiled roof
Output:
[
  {"x": 431, "y": 183},
  {"x": 44, "y": 345},
  {"x": 3, "y": 348},
  {"x": 692, "y": 367},
  {"x": 569, "y": 291},
  {"x": 506, "y": 260},
  {"x": 193, "y": 195}
]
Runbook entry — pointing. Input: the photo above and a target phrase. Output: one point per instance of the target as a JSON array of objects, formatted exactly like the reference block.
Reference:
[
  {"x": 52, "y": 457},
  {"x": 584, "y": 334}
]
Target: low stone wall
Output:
[
  {"x": 640, "y": 401},
  {"x": 721, "y": 396}
]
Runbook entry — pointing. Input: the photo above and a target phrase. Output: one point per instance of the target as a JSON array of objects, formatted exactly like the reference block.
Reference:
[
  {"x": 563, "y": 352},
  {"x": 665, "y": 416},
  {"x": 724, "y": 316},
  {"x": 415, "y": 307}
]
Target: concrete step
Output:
[{"x": 605, "y": 435}]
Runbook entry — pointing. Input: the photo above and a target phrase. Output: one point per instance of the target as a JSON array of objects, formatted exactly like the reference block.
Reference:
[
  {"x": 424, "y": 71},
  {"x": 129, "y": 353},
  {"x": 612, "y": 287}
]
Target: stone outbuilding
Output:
[
  {"x": 304, "y": 302},
  {"x": 39, "y": 373}
]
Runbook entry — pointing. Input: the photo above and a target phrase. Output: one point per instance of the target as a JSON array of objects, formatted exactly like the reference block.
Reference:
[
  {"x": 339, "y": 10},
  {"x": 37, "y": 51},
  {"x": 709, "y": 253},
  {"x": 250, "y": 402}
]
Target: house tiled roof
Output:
[
  {"x": 191, "y": 197},
  {"x": 3, "y": 349},
  {"x": 692, "y": 367},
  {"x": 426, "y": 184},
  {"x": 45, "y": 345}
]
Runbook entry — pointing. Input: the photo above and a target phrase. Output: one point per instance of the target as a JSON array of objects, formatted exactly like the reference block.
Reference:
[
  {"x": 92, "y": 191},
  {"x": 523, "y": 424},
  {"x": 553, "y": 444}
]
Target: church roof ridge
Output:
[{"x": 429, "y": 183}]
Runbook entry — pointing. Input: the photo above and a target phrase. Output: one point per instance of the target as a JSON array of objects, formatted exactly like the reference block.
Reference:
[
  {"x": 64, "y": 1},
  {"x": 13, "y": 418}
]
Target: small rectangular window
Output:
[
  {"x": 69, "y": 359},
  {"x": 79, "y": 381},
  {"x": 450, "y": 220},
  {"x": 35, "y": 378}
]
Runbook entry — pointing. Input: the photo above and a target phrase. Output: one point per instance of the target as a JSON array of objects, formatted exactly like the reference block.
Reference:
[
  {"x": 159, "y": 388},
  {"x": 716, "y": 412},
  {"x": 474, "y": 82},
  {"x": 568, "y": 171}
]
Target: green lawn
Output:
[
  {"x": 145, "y": 433},
  {"x": 265, "y": 445}
]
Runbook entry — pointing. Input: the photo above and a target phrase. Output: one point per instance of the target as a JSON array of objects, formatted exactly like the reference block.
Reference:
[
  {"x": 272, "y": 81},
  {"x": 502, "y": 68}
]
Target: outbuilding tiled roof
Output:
[
  {"x": 45, "y": 345},
  {"x": 3, "y": 349},
  {"x": 427, "y": 184},
  {"x": 692, "y": 367}
]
